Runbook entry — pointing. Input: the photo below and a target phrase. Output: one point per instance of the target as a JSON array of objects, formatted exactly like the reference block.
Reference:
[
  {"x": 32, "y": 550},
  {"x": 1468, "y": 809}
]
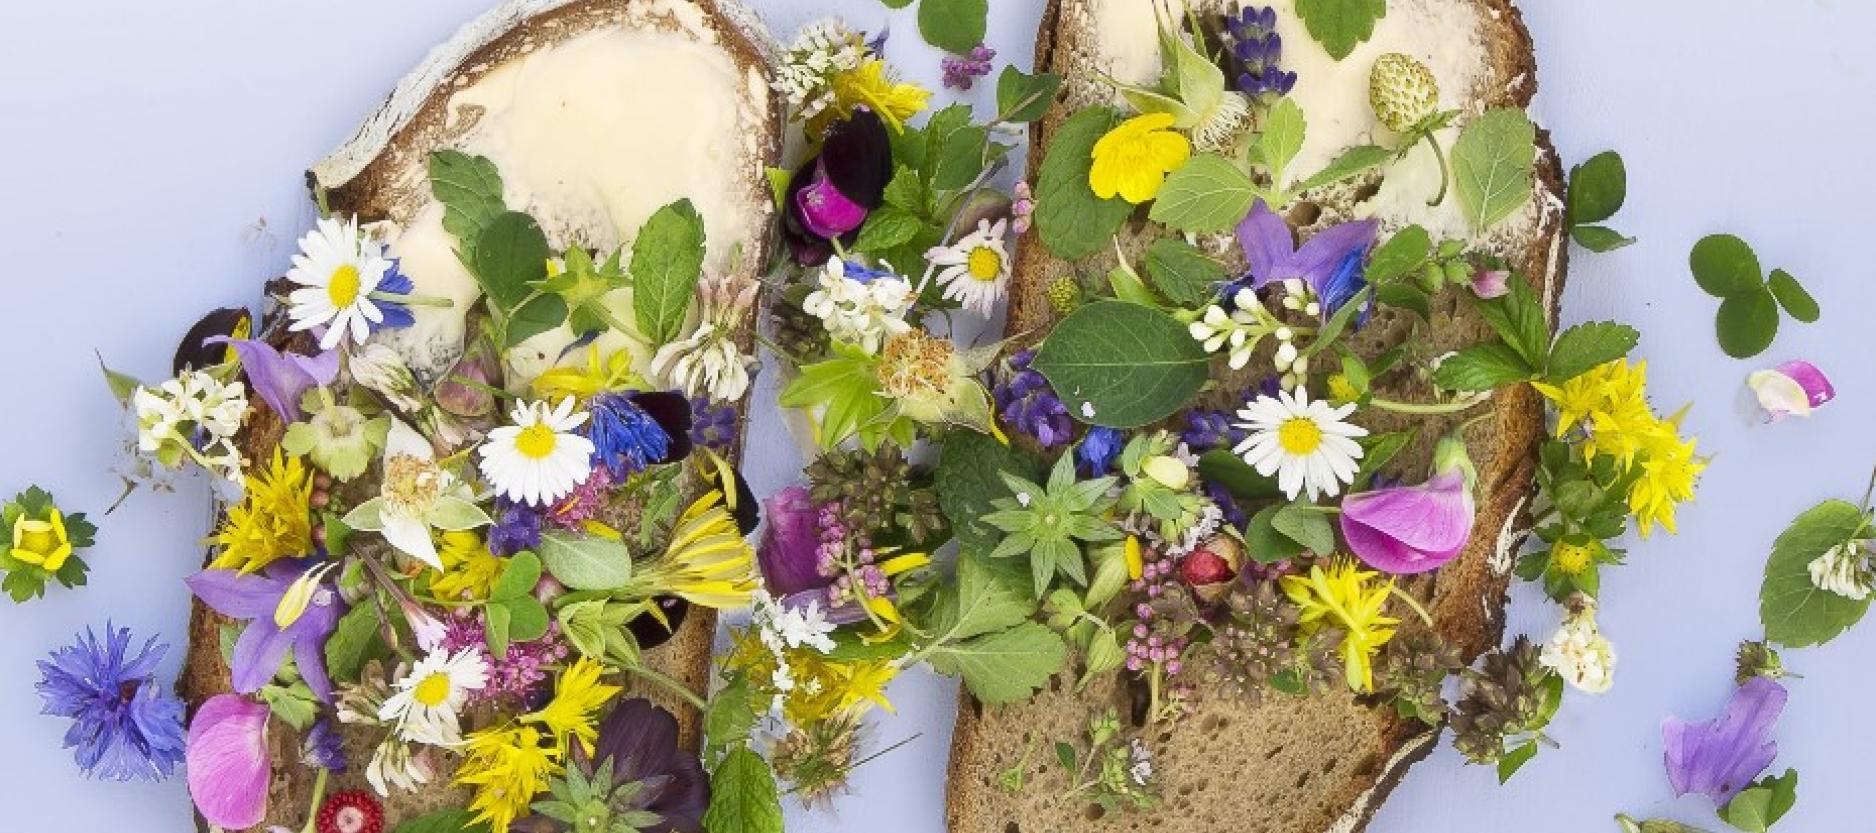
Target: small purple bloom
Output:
[
  {"x": 124, "y": 725},
  {"x": 1257, "y": 52},
  {"x": 712, "y": 426},
  {"x": 279, "y": 377},
  {"x": 1029, "y": 405},
  {"x": 323, "y": 748},
  {"x": 517, "y": 527},
  {"x": 1402, "y": 530},
  {"x": 1331, "y": 262},
  {"x": 788, "y": 554},
  {"x": 832, "y": 194},
  {"x": 1491, "y": 283},
  {"x": 641, "y": 740},
  {"x": 1720, "y": 757},
  {"x": 1209, "y": 429},
  {"x": 397, "y": 314},
  {"x": 960, "y": 72},
  {"x": 1795, "y": 388},
  {"x": 228, "y": 762},
  {"x": 264, "y": 644},
  {"x": 1098, "y": 449}
]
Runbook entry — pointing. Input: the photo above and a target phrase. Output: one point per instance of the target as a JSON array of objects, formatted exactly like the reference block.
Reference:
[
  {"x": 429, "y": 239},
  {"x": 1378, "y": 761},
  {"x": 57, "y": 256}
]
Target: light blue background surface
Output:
[{"x": 150, "y": 159}]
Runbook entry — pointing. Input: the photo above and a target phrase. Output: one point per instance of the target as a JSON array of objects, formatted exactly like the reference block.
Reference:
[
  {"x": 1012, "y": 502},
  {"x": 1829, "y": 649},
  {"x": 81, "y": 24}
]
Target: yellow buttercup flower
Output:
[
  {"x": 1342, "y": 597},
  {"x": 42, "y": 541},
  {"x": 273, "y": 519},
  {"x": 870, "y": 84},
  {"x": 1132, "y": 160},
  {"x": 707, "y": 562},
  {"x": 578, "y": 694},
  {"x": 469, "y": 569},
  {"x": 506, "y": 767}
]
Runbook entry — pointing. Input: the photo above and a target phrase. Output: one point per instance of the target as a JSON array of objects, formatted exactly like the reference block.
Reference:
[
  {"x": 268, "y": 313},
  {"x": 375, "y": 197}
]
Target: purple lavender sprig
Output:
[
  {"x": 1257, "y": 52},
  {"x": 961, "y": 71}
]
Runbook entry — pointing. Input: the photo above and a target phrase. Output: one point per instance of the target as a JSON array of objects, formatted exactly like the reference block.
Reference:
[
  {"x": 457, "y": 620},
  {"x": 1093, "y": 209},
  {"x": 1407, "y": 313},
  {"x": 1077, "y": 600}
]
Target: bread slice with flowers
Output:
[
  {"x": 1286, "y": 320},
  {"x": 480, "y": 449}
]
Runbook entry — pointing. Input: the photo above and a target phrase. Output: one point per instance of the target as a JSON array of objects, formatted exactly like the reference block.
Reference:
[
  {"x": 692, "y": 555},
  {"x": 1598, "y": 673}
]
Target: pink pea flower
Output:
[
  {"x": 227, "y": 761},
  {"x": 1795, "y": 388},
  {"x": 1403, "y": 530}
]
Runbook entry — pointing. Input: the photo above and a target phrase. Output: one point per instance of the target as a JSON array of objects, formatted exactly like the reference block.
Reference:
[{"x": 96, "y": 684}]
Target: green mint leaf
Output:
[
  {"x": 1306, "y": 525},
  {"x": 1185, "y": 275},
  {"x": 969, "y": 475},
  {"x": 510, "y": 256},
  {"x": 743, "y": 796},
  {"x": 1006, "y": 666},
  {"x": 470, "y": 189},
  {"x": 1495, "y": 165},
  {"x": 1207, "y": 194},
  {"x": 1725, "y": 266},
  {"x": 667, "y": 261},
  {"x": 1402, "y": 254},
  {"x": 1587, "y": 345},
  {"x": 730, "y": 717},
  {"x": 908, "y": 193},
  {"x": 352, "y": 642},
  {"x": 443, "y": 821},
  {"x": 1597, "y": 188},
  {"x": 1747, "y": 323},
  {"x": 954, "y": 148},
  {"x": 1600, "y": 238},
  {"x": 1024, "y": 98},
  {"x": 955, "y": 26},
  {"x": 888, "y": 227},
  {"x": 1482, "y": 367},
  {"x": 1518, "y": 318},
  {"x": 1073, "y": 222},
  {"x": 1792, "y": 295},
  {"x": 1280, "y": 140},
  {"x": 1796, "y": 612},
  {"x": 1340, "y": 25},
  {"x": 1122, "y": 365},
  {"x": 1227, "y": 469},
  {"x": 1352, "y": 162},
  {"x": 586, "y": 562}
]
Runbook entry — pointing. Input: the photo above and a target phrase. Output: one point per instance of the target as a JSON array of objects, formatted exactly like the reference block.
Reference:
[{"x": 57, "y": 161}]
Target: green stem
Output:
[
  {"x": 411, "y": 299},
  {"x": 1412, "y": 603},
  {"x": 1429, "y": 408},
  {"x": 676, "y": 687},
  {"x": 319, "y": 797},
  {"x": 484, "y": 387},
  {"x": 1439, "y": 154}
]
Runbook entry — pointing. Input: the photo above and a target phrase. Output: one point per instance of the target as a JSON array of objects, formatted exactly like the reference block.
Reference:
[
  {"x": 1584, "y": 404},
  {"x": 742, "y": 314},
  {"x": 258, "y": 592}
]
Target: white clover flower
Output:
[
  {"x": 862, "y": 313},
  {"x": 1844, "y": 570},
  {"x": 709, "y": 363},
  {"x": 382, "y": 371},
  {"x": 806, "y": 71},
  {"x": 194, "y": 417},
  {"x": 1579, "y": 652}
]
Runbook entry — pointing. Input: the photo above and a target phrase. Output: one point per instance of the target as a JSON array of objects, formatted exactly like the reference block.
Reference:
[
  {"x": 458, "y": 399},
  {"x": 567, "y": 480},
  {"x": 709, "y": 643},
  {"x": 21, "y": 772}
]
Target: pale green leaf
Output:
[
  {"x": 1340, "y": 25},
  {"x": 1494, "y": 165},
  {"x": 1006, "y": 666},
  {"x": 584, "y": 562},
  {"x": 1206, "y": 194}
]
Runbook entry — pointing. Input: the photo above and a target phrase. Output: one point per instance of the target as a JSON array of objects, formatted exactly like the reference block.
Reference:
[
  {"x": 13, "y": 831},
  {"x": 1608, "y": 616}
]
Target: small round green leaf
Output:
[
  {"x": 1747, "y": 323},
  {"x": 1791, "y": 295},
  {"x": 1725, "y": 266},
  {"x": 1598, "y": 188}
]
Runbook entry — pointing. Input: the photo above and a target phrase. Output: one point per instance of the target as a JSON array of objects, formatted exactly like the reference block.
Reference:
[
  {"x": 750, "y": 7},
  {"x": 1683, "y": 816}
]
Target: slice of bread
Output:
[
  {"x": 1326, "y": 762},
  {"x": 596, "y": 113}
]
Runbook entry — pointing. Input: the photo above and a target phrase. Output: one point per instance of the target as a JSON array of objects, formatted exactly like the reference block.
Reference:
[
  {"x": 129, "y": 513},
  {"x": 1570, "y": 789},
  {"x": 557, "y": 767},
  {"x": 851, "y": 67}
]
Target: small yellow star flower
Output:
[
  {"x": 1132, "y": 160},
  {"x": 506, "y": 767},
  {"x": 578, "y": 695},
  {"x": 1341, "y": 597}
]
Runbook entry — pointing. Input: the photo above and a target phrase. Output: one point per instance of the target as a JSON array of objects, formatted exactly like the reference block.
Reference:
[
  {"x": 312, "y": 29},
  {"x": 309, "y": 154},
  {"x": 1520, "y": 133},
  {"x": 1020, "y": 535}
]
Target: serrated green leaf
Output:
[
  {"x": 1122, "y": 365},
  {"x": 667, "y": 261},
  {"x": 847, "y": 385},
  {"x": 1747, "y": 323},
  {"x": 1340, "y": 25},
  {"x": 1279, "y": 139},
  {"x": 955, "y": 26},
  {"x": 1793, "y": 609},
  {"x": 743, "y": 796},
  {"x": 988, "y": 599},
  {"x": 1352, "y": 162},
  {"x": 586, "y": 562},
  {"x": 1792, "y": 295},
  {"x": 1598, "y": 188},
  {"x": 1518, "y": 318},
  {"x": 1482, "y": 367},
  {"x": 1024, "y": 98},
  {"x": 443, "y": 821},
  {"x": 1185, "y": 275},
  {"x": 888, "y": 227},
  {"x": 510, "y": 256},
  {"x": 1206, "y": 194},
  {"x": 730, "y": 717},
  {"x": 470, "y": 189},
  {"x": 1725, "y": 265},
  {"x": 969, "y": 475},
  {"x": 1073, "y": 222},
  {"x": 1495, "y": 165},
  {"x": 1005, "y": 666},
  {"x": 1584, "y": 346},
  {"x": 1402, "y": 254}
]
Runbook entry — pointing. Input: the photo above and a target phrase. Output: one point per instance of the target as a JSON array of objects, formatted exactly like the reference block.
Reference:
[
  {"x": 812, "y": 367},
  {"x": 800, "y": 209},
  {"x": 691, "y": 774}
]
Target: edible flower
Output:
[
  {"x": 280, "y": 377},
  {"x": 1309, "y": 446},
  {"x": 831, "y": 195},
  {"x": 873, "y": 87},
  {"x": 710, "y": 362},
  {"x": 1718, "y": 758},
  {"x": 1342, "y": 597},
  {"x": 125, "y": 725},
  {"x": 930, "y": 381},
  {"x": 1330, "y": 262},
  {"x": 506, "y": 767},
  {"x": 341, "y": 273},
  {"x": 707, "y": 561},
  {"x": 44, "y": 537},
  {"x": 1795, "y": 388},
  {"x": 273, "y": 519},
  {"x": 538, "y": 459},
  {"x": 416, "y": 496},
  {"x": 1133, "y": 160},
  {"x": 578, "y": 695},
  {"x": 228, "y": 761},
  {"x": 264, "y": 642},
  {"x": 634, "y": 430},
  {"x": 1578, "y": 651},
  {"x": 1404, "y": 530},
  {"x": 975, "y": 270},
  {"x": 788, "y": 553},
  {"x": 640, "y": 740}
]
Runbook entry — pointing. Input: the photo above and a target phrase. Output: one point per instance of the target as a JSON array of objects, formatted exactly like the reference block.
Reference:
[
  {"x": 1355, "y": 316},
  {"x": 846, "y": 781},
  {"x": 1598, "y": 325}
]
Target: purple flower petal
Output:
[
  {"x": 227, "y": 761},
  {"x": 1321, "y": 255},
  {"x": 258, "y": 654},
  {"x": 1267, "y": 243},
  {"x": 787, "y": 553},
  {"x": 1795, "y": 388},
  {"x": 278, "y": 377},
  {"x": 1720, "y": 757},
  {"x": 825, "y": 211},
  {"x": 237, "y": 595},
  {"x": 1410, "y": 529}
]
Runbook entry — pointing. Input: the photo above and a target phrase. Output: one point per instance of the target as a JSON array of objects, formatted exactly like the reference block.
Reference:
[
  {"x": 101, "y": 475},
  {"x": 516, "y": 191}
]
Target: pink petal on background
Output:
[
  {"x": 1490, "y": 283},
  {"x": 1795, "y": 388},
  {"x": 227, "y": 761}
]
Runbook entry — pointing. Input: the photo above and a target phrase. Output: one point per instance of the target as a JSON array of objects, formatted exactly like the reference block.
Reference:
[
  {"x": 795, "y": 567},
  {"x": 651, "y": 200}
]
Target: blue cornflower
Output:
[
  {"x": 625, "y": 438},
  {"x": 396, "y": 313},
  {"x": 124, "y": 725},
  {"x": 517, "y": 527},
  {"x": 1029, "y": 406},
  {"x": 712, "y": 426},
  {"x": 323, "y": 748},
  {"x": 1257, "y": 52},
  {"x": 1098, "y": 449}
]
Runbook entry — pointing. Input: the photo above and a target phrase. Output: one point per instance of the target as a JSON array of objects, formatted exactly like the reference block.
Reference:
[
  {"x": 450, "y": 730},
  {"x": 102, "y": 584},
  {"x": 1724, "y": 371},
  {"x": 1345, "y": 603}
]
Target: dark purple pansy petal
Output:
[
  {"x": 641, "y": 740},
  {"x": 672, "y": 411},
  {"x": 194, "y": 351}
]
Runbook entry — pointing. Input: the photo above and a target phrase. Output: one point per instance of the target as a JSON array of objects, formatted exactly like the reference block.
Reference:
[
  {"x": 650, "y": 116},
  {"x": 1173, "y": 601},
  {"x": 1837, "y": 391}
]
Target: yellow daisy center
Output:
[
  {"x": 984, "y": 264},
  {"x": 433, "y": 690},
  {"x": 536, "y": 441},
  {"x": 343, "y": 286},
  {"x": 1299, "y": 436}
]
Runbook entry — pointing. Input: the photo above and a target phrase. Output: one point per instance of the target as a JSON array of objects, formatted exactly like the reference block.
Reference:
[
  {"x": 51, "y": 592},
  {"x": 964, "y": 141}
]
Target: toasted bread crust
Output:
[
  {"x": 369, "y": 177},
  {"x": 1321, "y": 791}
]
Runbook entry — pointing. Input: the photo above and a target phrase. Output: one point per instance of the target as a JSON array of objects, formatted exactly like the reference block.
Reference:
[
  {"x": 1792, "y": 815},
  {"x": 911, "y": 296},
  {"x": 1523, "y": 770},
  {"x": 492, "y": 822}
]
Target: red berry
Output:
[
  {"x": 1202, "y": 567},
  {"x": 352, "y": 811}
]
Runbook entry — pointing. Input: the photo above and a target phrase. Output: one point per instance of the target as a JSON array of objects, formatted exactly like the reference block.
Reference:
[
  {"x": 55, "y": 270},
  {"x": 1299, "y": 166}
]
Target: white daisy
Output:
[
  {"x": 426, "y": 703},
  {"x": 1305, "y": 444},
  {"x": 975, "y": 270},
  {"x": 538, "y": 459},
  {"x": 337, "y": 269}
]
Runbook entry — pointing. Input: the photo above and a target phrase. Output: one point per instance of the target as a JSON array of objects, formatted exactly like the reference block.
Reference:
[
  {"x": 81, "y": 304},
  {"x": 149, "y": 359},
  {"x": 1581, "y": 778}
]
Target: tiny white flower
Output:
[
  {"x": 1844, "y": 570},
  {"x": 1580, "y": 653},
  {"x": 337, "y": 269},
  {"x": 1023, "y": 499},
  {"x": 427, "y": 703},
  {"x": 975, "y": 270},
  {"x": 1139, "y": 762},
  {"x": 1307, "y": 445},
  {"x": 538, "y": 459},
  {"x": 862, "y": 313},
  {"x": 1087, "y": 410},
  {"x": 393, "y": 764},
  {"x": 708, "y": 363}
]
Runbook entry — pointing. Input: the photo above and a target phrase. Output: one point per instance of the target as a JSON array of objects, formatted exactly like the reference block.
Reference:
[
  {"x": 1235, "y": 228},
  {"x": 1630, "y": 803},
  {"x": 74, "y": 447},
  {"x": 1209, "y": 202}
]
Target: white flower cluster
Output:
[
  {"x": 1579, "y": 652},
  {"x": 195, "y": 416},
  {"x": 863, "y": 313},
  {"x": 807, "y": 69},
  {"x": 1241, "y": 329},
  {"x": 1139, "y": 763},
  {"x": 781, "y": 628},
  {"x": 709, "y": 363},
  {"x": 1844, "y": 570}
]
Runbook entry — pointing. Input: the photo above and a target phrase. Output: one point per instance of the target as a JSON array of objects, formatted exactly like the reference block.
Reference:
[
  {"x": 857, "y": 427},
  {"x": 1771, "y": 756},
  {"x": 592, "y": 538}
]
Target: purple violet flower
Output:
[
  {"x": 517, "y": 527},
  {"x": 1209, "y": 429},
  {"x": 279, "y": 377},
  {"x": 264, "y": 643},
  {"x": 1029, "y": 406},
  {"x": 1330, "y": 262},
  {"x": 323, "y": 747},
  {"x": 1720, "y": 757},
  {"x": 641, "y": 740},
  {"x": 960, "y": 72},
  {"x": 1257, "y": 51},
  {"x": 790, "y": 542},
  {"x": 1098, "y": 449},
  {"x": 124, "y": 725}
]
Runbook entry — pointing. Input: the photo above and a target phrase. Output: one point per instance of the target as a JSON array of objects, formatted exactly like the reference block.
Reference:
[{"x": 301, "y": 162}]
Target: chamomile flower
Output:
[
  {"x": 337, "y": 269},
  {"x": 427, "y": 701},
  {"x": 1307, "y": 445},
  {"x": 538, "y": 459},
  {"x": 975, "y": 270}
]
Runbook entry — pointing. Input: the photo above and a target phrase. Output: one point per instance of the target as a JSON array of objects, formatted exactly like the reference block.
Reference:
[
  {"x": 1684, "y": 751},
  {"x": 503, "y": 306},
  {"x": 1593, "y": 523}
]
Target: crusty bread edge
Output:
[{"x": 1508, "y": 511}]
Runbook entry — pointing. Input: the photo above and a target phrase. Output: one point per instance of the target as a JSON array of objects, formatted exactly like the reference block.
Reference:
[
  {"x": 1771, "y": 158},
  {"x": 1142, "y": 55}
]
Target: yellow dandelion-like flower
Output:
[
  {"x": 273, "y": 519},
  {"x": 506, "y": 767},
  {"x": 872, "y": 85},
  {"x": 578, "y": 694},
  {"x": 707, "y": 562},
  {"x": 469, "y": 569},
  {"x": 1343, "y": 597},
  {"x": 1133, "y": 159}
]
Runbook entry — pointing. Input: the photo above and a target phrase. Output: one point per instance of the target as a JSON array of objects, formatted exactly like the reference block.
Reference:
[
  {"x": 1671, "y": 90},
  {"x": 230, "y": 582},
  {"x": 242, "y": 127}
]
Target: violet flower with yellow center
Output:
[{"x": 1133, "y": 160}]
